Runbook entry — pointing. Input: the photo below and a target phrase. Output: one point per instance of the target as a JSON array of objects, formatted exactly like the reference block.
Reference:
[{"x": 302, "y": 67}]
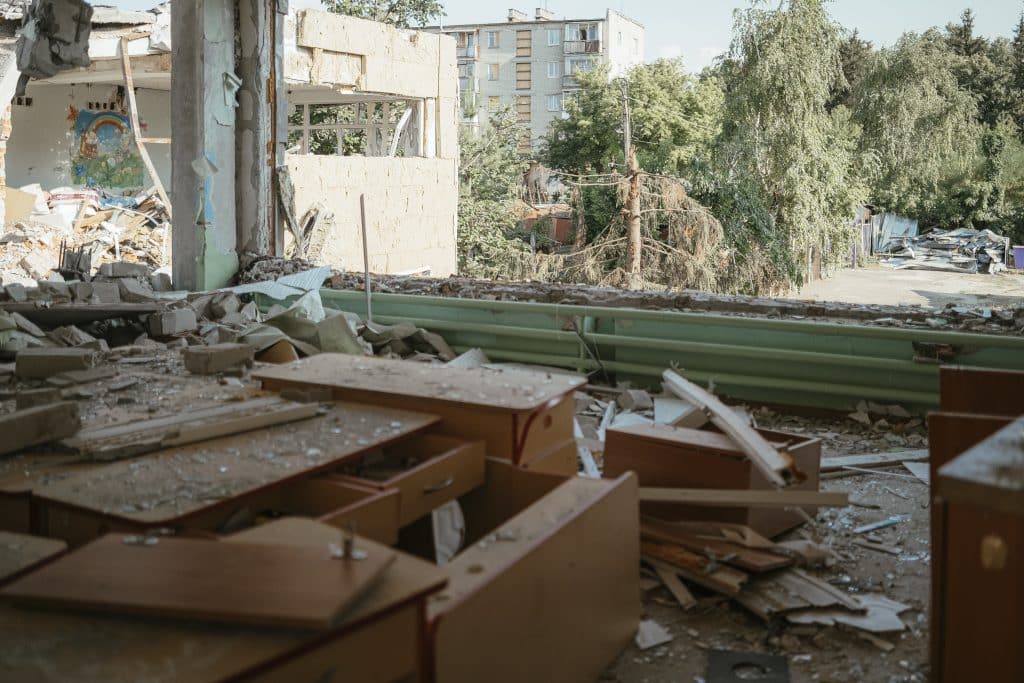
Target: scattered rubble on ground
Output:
[{"x": 962, "y": 250}]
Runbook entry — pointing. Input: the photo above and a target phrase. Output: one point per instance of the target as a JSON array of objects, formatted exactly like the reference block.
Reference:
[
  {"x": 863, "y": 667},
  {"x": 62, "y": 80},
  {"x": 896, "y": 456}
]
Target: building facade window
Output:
[
  {"x": 493, "y": 39},
  {"x": 493, "y": 103},
  {"x": 554, "y": 103},
  {"x": 523, "y": 108},
  {"x": 493, "y": 72},
  {"x": 524, "y": 43},
  {"x": 554, "y": 69},
  {"x": 554, "y": 36}
]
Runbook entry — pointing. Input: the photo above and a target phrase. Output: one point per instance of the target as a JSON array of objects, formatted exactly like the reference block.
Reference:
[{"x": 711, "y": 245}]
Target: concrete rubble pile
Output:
[{"x": 99, "y": 227}]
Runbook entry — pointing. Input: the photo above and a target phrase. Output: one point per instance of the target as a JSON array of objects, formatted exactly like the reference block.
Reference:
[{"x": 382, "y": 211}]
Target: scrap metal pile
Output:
[{"x": 962, "y": 250}]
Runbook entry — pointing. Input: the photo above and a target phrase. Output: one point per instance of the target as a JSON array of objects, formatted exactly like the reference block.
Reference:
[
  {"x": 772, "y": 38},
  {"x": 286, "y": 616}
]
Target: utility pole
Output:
[{"x": 631, "y": 212}]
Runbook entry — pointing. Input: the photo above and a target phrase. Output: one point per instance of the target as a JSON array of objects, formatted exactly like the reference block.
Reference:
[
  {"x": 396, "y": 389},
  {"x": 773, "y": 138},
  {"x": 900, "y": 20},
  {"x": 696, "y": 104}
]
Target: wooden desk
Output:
[
  {"x": 525, "y": 417},
  {"x": 202, "y": 485},
  {"x": 20, "y": 552},
  {"x": 381, "y": 640}
]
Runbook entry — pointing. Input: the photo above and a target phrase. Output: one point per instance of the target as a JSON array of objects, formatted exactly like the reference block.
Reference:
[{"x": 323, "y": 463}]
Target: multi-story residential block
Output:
[{"x": 531, "y": 65}]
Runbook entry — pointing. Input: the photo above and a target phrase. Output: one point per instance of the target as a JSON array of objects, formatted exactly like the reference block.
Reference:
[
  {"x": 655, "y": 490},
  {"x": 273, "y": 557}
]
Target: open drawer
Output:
[
  {"x": 547, "y": 584},
  {"x": 370, "y": 512},
  {"x": 427, "y": 471}
]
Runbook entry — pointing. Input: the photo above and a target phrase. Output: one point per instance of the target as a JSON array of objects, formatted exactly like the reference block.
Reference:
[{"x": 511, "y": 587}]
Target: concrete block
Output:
[
  {"x": 122, "y": 269},
  {"x": 81, "y": 292},
  {"x": 36, "y": 397},
  {"x": 38, "y": 264},
  {"x": 16, "y": 292},
  {"x": 105, "y": 293},
  {"x": 225, "y": 303},
  {"x": 54, "y": 290},
  {"x": 134, "y": 291},
  {"x": 209, "y": 360},
  {"x": 635, "y": 399},
  {"x": 160, "y": 282},
  {"x": 172, "y": 323},
  {"x": 39, "y": 425},
  {"x": 39, "y": 363}
]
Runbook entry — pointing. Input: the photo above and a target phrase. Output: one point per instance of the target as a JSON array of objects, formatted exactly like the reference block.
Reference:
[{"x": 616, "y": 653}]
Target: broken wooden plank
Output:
[
  {"x": 696, "y": 568},
  {"x": 133, "y": 114},
  {"x": 745, "y": 558},
  {"x": 744, "y": 498},
  {"x": 676, "y": 587},
  {"x": 777, "y": 467},
  {"x": 134, "y": 438},
  {"x": 872, "y": 459},
  {"x": 35, "y": 426},
  {"x": 879, "y": 547}
]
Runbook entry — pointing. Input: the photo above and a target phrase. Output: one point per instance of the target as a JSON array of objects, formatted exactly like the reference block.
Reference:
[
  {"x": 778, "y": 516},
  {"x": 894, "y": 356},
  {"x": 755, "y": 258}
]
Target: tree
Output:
[
  {"x": 921, "y": 133},
  {"x": 783, "y": 174},
  {"x": 961, "y": 38},
  {"x": 675, "y": 119},
  {"x": 1016, "y": 109},
  {"x": 855, "y": 54},
  {"x": 402, "y": 13}
]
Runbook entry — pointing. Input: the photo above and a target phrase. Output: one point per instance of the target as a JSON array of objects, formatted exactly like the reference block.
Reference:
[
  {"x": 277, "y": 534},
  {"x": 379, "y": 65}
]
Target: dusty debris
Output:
[
  {"x": 651, "y": 634},
  {"x": 41, "y": 424}
]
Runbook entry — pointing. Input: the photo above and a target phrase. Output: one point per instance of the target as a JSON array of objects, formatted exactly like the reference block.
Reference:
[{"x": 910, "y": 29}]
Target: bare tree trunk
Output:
[
  {"x": 579, "y": 219},
  {"x": 633, "y": 219}
]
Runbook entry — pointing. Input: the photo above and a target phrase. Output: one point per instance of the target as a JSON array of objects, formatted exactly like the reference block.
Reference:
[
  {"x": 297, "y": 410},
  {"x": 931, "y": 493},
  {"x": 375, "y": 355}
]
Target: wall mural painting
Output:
[{"x": 103, "y": 153}]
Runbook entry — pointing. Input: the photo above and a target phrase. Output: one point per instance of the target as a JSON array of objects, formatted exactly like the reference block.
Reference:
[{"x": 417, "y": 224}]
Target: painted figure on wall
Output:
[{"x": 103, "y": 153}]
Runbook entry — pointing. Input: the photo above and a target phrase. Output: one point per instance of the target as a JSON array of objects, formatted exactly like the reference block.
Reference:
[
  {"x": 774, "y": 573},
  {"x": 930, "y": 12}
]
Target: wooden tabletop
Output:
[
  {"x": 20, "y": 551},
  {"x": 991, "y": 474},
  {"x": 163, "y": 486},
  {"x": 484, "y": 388},
  {"x": 47, "y": 645}
]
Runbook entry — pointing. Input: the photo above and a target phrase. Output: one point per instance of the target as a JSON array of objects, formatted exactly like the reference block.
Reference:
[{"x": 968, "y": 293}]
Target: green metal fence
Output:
[{"x": 816, "y": 364}]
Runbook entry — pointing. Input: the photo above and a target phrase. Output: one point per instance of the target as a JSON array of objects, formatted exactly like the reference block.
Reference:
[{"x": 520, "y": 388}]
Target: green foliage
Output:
[
  {"x": 675, "y": 119},
  {"x": 402, "y": 13},
  {"x": 783, "y": 173},
  {"x": 855, "y": 54},
  {"x": 490, "y": 168}
]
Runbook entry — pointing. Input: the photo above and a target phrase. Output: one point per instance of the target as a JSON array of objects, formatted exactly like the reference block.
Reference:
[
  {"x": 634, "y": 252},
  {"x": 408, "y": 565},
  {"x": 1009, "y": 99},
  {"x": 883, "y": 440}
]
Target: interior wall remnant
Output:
[
  {"x": 48, "y": 137},
  {"x": 203, "y": 91},
  {"x": 411, "y": 210}
]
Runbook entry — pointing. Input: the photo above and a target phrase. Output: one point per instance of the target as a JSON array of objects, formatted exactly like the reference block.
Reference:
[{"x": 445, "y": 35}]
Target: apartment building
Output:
[{"x": 532, "y": 64}]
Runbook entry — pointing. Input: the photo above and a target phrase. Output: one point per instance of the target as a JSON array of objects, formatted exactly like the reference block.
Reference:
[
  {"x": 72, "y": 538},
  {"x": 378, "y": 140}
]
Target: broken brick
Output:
[
  {"x": 39, "y": 425},
  {"x": 39, "y": 363},
  {"x": 122, "y": 269},
  {"x": 172, "y": 323}
]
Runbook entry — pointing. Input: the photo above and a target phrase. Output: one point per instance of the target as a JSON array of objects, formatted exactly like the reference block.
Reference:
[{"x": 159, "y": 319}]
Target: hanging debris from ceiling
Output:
[{"x": 54, "y": 36}]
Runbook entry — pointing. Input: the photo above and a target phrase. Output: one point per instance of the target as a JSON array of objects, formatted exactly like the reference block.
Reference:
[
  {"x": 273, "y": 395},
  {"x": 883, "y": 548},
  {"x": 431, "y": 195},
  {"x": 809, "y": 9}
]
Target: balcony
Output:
[
  {"x": 469, "y": 85},
  {"x": 468, "y": 52},
  {"x": 580, "y": 47},
  {"x": 569, "y": 82}
]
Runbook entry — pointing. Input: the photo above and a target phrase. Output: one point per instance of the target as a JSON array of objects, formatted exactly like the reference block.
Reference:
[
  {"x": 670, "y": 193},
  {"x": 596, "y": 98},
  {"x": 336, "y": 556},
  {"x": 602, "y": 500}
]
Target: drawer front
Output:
[
  {"x": 448, "y": 468},
  {"x": 374, "y": 513}
]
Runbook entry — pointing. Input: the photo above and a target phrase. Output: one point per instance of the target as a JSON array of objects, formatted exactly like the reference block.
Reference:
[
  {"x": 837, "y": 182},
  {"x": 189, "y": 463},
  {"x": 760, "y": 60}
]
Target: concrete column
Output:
[
  {"x": 261, "y": 130},
  {"x": 203, "y": 154}
]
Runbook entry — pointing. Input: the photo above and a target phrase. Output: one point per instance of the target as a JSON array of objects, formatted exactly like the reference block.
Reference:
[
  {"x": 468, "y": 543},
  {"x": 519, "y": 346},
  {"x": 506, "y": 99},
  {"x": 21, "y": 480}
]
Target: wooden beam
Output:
[
  {"x": 872, "y": 460},
  {"x": 744, "y": 498},
  {"x": 133, "y": 112},
  {"x": 777, "y": 467}
]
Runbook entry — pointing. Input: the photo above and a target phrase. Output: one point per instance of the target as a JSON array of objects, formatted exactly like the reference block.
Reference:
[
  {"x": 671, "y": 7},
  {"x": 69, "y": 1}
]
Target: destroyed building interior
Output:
[{"x": 254, "y": 427}]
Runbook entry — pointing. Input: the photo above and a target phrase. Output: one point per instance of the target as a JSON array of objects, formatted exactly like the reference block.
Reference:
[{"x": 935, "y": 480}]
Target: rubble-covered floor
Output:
[{"x": 937, "y": 289}]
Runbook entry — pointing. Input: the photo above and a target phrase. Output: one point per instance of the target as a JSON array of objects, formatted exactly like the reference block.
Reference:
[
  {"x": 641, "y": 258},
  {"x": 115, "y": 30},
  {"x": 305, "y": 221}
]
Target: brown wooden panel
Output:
[
  {"x": 983, "y": 391},
  {"x": 186, "y": 578},
  {"x": 524, "y": 43}
]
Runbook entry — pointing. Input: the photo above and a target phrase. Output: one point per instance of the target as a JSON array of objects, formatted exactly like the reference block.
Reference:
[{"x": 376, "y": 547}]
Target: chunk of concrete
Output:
[
  {"x": 105, "y": 293},
  {"x": 43, "y": 362},
  {"x": 42, "y": 424},
  {"x": 123, "y": 269},
  {"x": 171, "y": 323},
  {"x": 635, "y": 399},
  {"x": 81, "y": 292},
  {"x": 160, "y": 282},
  {"x": 225, "y": 303},
  {"x": 36, "y": 397},
  {"x": 134, "y": 291},
  {"x": 16, "y": 292},
  {"x": 55, "y": 290},
  {"x": 209, "y": 360}
]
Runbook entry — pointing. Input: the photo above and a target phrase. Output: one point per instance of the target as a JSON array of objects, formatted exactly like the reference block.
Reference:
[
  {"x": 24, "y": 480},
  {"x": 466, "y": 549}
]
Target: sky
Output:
[{"x": 698, "y": 30}]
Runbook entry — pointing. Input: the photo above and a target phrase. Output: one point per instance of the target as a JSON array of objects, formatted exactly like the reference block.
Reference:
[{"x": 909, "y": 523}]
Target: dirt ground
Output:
[
  {"x": 819, "y": 654},
  {"x": 884, "y": 286}
]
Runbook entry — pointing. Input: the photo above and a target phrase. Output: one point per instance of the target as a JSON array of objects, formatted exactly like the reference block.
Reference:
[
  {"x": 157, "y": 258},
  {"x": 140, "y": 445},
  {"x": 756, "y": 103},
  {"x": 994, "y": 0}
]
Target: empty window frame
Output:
[
  {"x": 524, "y": 43},
  {"x": 524, "y": 104},
  {"x": 581, "y": 66},
  {"x": 494, "y": 72},
  {"x": 353, "y": 128},
  {"x": 554, "y": 69},
  {"x": 523, "y": 76},
  {"x": 493, "y": 39},
  {"x": 555, "y": 102},
  {"x": 525, "y": 142},
  {"x": 554, "y": 36}
]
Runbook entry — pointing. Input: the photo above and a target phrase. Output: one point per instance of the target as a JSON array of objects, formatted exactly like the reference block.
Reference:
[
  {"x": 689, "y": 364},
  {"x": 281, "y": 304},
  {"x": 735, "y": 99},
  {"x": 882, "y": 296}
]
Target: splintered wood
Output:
[{"x": 777, "y": 467}]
